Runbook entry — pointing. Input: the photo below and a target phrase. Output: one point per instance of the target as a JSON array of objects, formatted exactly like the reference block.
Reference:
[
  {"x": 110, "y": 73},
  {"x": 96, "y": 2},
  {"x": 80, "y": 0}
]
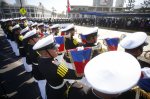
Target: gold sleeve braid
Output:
[
  {"x": 140, "y": 92},
  {"x": 75, "y": 42},
  {"x": 62, "y": 70},
  {"x": 26, "y": 24},
  {"x": 21, "y": 38}
]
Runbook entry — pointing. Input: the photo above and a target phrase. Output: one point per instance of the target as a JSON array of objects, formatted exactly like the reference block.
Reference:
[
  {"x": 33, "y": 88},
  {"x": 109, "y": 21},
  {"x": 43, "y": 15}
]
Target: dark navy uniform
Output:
[
  {"x": 55, "y": 76},
  {"x": 81, "y": 91},
  {"x": 19, "y": 39},
  {"x": 144, "y": 83},
  {"x": 9, "y": 33},
  {"x": 33, "y": 55}
]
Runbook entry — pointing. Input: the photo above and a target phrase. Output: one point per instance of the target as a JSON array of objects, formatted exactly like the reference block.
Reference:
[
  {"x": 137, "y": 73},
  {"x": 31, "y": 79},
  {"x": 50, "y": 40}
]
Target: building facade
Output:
[
  {"x": 77, "y": 10},
  {"x": 119, "y": 3},
  {"x": 12, "y": 10},
  {"x": 96, "y": 3},
  {"x": 108, "y": 3}
]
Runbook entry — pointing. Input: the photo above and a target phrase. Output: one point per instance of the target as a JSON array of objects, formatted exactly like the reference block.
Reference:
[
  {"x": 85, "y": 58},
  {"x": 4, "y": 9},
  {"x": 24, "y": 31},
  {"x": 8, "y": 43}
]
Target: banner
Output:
[
  {"x": 80, "y": 59},
  {"x": 61, "y": 41}
]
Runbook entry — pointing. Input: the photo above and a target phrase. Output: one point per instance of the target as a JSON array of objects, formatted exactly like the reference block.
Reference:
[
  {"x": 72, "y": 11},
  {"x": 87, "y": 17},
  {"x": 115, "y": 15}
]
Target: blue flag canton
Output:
[
  {"x": 59, "y": 40},
  {"x": 79, "y": 56},
  {"x": 112, "y": 41}
]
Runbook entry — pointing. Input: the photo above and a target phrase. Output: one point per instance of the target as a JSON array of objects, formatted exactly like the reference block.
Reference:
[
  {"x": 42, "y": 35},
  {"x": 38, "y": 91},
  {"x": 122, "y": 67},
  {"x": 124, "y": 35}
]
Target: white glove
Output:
[
  {"x": 98, "y": 46},
  {"x": 146, "y": 72},
  {"x": 56, "y": 62},
  {"x": 80, "y": 48}
]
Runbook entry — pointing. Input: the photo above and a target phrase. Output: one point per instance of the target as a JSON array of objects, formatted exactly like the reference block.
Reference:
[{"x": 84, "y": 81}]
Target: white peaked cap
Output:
[
  {"x": 24, "y": 30},
  {"x": 62, "y": 30},
  {"x": 69, "y": 27},
  {"x": 40, "y": 24},
  {"x": 16, "y": 26},
  {"x": 44, "y": 42},
  {"x": 34, "y": 24},
  {"x": 46, "y": 26},
  {"x": 134, "y": 40},
  {"x": 55, "y": 26},
  {"x": 10, "y": 19},
  {"x": 23, "y": 18},
  {"x": 30, "y": 22},
  {"x": 114, "y": 72},
  {"x": 29, "y": 34},
  {"x": 16, "y": 18},
  {"x": 93, "y": 30}
]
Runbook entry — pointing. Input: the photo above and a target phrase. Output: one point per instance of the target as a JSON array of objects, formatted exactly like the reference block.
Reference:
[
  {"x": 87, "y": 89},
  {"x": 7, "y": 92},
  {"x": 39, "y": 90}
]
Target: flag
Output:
[
  {"x": 61, "y": 41},
  {"x": 112, "y": 43},
  {"x": 83, "y": 38},
  {"x": 62, "y": 33},
  {"x": 68, "y": 6},
  {"x": 80, "y": 59}
]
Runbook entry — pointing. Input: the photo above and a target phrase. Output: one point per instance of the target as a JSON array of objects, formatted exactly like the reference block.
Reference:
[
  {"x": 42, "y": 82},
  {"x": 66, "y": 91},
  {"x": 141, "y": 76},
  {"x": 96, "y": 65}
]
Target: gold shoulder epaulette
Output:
[
  {"x": 75, "y": 42},
  {"x": 25, "y": 24},
  {"x": 62, "y": 70},
  {"x": 21, "y": 38},
  {"x": 10, "y": 28}
]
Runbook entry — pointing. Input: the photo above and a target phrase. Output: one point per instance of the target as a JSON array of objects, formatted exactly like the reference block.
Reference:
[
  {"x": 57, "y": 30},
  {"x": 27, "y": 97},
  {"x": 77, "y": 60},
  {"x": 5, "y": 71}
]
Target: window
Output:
[{"x": 73, "y": 15}]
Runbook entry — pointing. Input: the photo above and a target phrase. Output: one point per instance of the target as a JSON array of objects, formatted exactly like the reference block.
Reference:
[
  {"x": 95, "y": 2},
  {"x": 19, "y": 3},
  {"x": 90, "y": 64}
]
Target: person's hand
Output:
[
  {"x": 98, "y": 46},
  {"x": 56, "y": 62},
  {"x": 80, "y": 48},
  {"x": 146, "y": 72}
]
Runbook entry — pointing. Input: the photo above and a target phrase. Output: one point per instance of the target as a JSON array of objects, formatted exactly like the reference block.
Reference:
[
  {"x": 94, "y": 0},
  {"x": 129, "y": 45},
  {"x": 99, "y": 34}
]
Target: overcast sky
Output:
[{"x": 60, "y": 5}]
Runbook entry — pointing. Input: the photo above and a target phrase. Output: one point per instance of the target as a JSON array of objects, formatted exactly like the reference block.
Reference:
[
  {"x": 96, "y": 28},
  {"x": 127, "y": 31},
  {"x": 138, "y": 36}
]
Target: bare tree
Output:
[
  {"x": 130, "y": 5},
  {"x": 145, "y": 5}
]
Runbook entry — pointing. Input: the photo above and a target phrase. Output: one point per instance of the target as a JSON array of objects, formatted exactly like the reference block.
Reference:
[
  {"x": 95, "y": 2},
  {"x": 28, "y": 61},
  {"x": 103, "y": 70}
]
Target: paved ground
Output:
[{"x": 15, "y": 83}]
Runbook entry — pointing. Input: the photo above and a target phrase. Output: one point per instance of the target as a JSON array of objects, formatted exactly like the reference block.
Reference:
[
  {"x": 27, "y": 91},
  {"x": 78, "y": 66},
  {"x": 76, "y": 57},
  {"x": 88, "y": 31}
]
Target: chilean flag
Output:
[
  {"x": 80, "y": 59},
  {"x": 68, "y": 6},
  {"x": 60, "y": 40},
  {"x": 112, "y": 43},
  {"x": 83, "y": 38}
]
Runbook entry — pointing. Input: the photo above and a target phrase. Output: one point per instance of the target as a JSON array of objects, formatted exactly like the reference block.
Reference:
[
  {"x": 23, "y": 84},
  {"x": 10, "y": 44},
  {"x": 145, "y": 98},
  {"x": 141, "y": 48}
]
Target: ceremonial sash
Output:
[
  {"x": 80, "y": 59},
  {"x": 112, "y": 43},
  {"x": 61, "y": 41}
]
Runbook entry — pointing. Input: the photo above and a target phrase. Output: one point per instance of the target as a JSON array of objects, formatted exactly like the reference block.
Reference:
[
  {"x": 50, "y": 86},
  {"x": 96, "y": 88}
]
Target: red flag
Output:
[{"x": 68, "y": 6}]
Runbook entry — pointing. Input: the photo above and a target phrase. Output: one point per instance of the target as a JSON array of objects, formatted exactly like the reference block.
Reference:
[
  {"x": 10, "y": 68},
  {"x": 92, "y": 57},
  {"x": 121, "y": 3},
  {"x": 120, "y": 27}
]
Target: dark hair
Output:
[{"x": 91, "y": 35}]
